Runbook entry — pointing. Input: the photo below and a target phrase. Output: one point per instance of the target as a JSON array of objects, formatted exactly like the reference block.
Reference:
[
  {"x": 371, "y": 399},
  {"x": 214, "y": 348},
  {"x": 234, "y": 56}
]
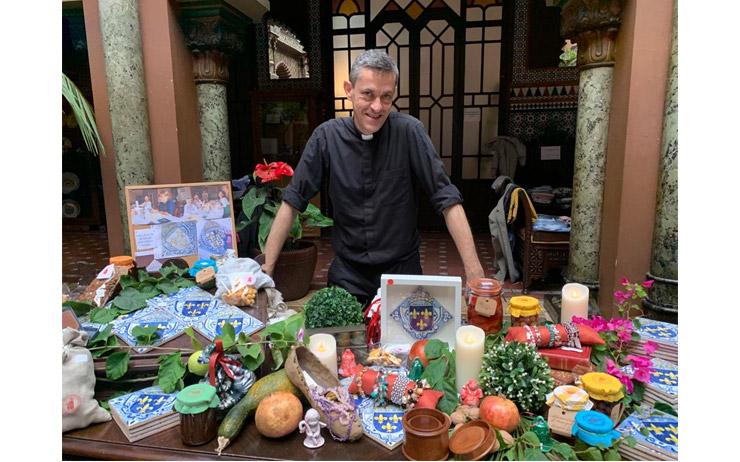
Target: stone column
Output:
[
  {"x": 663, "y": 296},
  {"x": 124, "y": 69},
  {"x": 213, "y": 35},
  {"x": 593, "y": 24}
]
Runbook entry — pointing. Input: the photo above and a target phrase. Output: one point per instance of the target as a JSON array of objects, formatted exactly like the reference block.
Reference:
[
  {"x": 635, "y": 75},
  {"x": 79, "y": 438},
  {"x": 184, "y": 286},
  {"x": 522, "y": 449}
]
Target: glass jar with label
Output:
[
  {"x": 524, "y": 310},
  {"x": 485, "y": 308},
  {"x": 197, "y": 407},
  {"x": 605, "y": 392}
]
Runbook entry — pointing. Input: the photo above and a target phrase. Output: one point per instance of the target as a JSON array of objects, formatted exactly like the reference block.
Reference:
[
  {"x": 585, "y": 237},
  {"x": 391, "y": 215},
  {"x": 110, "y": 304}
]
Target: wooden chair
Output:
[{"x": 538, "y": 251}]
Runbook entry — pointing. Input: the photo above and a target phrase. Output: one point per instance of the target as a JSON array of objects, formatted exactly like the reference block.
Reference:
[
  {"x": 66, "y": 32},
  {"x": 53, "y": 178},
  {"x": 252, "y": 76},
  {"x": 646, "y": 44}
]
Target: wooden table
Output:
[{"x": 105, "y": 441}]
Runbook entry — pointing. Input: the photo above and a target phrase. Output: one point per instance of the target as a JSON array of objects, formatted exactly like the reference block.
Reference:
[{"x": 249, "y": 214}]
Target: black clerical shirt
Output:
[{"x": 371, "y": 185}]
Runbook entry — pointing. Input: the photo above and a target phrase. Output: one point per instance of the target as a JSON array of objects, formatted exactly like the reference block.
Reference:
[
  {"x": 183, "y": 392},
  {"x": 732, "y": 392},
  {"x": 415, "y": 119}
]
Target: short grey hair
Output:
[{"x": 377, "y": 60}]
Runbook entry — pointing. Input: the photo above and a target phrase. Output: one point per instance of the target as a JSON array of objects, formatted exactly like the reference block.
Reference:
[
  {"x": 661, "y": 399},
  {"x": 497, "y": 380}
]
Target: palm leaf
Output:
[{"x": 83, "y": 114}]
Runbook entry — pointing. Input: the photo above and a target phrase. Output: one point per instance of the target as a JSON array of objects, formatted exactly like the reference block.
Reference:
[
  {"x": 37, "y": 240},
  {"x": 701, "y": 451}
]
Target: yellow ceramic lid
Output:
[
  {"x": 122, "y": 260},
  {"x": 602, "y": 386},
  {"x": 524, "y": 305}
]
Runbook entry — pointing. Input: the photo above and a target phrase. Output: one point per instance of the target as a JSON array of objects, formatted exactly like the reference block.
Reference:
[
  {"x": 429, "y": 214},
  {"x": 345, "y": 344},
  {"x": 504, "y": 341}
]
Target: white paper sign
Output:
[
  {"x": 550, "y": 153},
  {"x": 144, "y": 240},
  {"x": 154, "y": 266},
  {"x": 107, "y": 272}
]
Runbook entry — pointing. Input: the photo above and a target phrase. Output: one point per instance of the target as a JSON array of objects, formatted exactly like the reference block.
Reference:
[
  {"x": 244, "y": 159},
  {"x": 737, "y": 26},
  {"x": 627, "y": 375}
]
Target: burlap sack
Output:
[{"x": 79, "y": 407}]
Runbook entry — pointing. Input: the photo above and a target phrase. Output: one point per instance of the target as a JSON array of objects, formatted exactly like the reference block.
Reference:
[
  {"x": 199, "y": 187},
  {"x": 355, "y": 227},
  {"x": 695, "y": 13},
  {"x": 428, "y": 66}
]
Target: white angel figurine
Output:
[{"x": 311, "y": 426}]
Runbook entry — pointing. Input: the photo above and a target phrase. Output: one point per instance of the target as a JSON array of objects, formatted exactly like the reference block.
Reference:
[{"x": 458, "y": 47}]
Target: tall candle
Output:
[
  {"x": 574, "y": 302},
  {"x": 324, "y": 347},
  {"x": 469, "y": 341}
]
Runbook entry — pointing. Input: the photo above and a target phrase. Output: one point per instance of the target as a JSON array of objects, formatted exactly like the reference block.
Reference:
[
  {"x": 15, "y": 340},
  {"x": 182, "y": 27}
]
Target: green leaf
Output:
[
  {"x": 511, "y": 454},
  {"x": 127, "y": 281},
  {"x": 253, "y": 199},
  {"x": 116, "y": 365},
  {"x": 167, "y": 287},
  {"x": 534, "y": 454},
  {"x": 277, "y": 358},
  {"x": 296, "y": 231},
  {"x": 434, "y": 348},
  {"x": 197, "y": 346},
  {"x": 129, "y": 299},
  {"x": 644, "y": 431},
  {"x": 434, "y": 373},
  {"x": 103, "y": 315},
  {"x": 612, "y": 454},
  {"x": 84, "y": 116},
  {"x": 531, "y": 438},
  {"x": 313, "y": 217},
  {"x": 564, "y": 450},
  {"x": 171, "y": 269},
  {"x": 148, "y": 290},
  {"x": 183, "y": 283},
  {"x": 101, "y": 336},
  {"x": 630, "y": 440},
  {"x": 79, "y": 308},
  {"x": 228, "y": 337},
  {"x": 591, "y": 454},
  {"x": 171, "y": 371},
  {"x": 252, "y": 356},
  {"x": 145, "y": 335}
]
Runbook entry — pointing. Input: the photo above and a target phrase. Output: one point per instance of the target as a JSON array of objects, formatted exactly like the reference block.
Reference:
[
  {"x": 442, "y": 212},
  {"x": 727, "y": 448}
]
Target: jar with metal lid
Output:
[
  {"x": 197, "y": 407},
  {"x": 605, "y": 392},
  {"x": 524, "y": 311},
  {"x": 485, "y": 308}
]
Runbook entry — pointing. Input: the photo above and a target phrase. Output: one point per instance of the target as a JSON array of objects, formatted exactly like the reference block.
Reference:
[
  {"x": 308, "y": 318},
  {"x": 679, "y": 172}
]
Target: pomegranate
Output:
[
  {"x": 417, "y": 351},
  {"x": 500, "y": 412}
]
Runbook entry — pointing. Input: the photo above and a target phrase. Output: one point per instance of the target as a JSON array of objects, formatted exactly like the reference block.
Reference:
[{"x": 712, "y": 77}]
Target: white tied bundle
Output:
[{"x": 79, "y": 407}]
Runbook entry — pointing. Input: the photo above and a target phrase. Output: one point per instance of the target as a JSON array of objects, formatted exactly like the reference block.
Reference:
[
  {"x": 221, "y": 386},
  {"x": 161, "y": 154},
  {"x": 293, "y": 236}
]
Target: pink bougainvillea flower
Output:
[
  {"x": 624, "y": 336},
  {"x": 580, "y": 320},
  {"x": 624, "y": 378},
  {"x": 642, "y": 375},
  {"x": 611, "y": 368},
  {"x": 650, "y": 347},
  {"x": 621, "y": 296},
  {"x": 639, "y": 361},
  {"x": 624, "y": 281},
  {"x": 598, "y": 324},
  {"x": 648, "y": 284}
]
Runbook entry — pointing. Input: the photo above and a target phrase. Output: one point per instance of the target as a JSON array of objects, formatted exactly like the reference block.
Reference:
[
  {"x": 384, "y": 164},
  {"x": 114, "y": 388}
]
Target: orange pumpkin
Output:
[
  {"x": 500, "y": 412},
  {"x": 417, "y": 351}
]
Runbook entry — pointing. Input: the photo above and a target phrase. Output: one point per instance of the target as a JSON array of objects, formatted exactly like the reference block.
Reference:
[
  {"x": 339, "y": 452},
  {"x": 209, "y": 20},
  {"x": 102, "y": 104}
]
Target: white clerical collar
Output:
[{"x": 366, "y": 137}]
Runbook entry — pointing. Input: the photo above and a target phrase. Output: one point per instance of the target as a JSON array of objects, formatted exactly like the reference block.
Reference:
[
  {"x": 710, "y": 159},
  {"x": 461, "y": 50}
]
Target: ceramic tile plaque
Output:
[{"x": 416, "y": 307}]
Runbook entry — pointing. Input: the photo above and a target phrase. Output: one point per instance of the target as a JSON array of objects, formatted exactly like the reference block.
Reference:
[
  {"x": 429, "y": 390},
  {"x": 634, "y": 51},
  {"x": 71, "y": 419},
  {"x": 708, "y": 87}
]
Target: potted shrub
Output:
[
  {"x": 333, "y": 310},
  {"x": 297, "y": 260}
]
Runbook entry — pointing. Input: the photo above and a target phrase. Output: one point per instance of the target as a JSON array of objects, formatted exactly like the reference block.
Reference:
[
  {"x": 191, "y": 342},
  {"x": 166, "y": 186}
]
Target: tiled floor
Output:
[{"x": 84, "y": 254}]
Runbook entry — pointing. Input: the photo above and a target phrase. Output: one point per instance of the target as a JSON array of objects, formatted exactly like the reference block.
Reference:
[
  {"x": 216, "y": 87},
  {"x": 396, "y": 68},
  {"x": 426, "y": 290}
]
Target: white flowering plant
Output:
[{"x": 516, "y": 371}]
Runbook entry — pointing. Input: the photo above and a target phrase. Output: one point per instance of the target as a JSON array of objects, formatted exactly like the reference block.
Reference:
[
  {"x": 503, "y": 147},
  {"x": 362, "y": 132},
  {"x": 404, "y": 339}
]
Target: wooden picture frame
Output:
[{"x": 182, "y": 221}]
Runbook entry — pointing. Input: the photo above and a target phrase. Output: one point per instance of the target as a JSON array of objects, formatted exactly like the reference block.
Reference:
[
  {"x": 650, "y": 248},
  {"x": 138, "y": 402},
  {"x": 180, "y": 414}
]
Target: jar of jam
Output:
[
  {"x": 124, "y": 264},
  {"x": 605, "y": 392},
  {"x": 524, "y": 311},
  {"x": 485, "y": 308},
  {"x": 197, "y": 407}
]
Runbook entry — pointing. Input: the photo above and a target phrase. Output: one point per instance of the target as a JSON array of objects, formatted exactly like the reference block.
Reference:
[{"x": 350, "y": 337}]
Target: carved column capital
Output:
[
  {"x": 593, "y": 24},
  {"x": 213, "y": 31},
  {"x": 210, "y": 66}
]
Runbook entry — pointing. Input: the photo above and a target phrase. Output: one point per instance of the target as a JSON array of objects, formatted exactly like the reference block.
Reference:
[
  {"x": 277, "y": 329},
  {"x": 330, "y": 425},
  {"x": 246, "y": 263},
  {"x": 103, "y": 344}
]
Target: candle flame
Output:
[
  {"x": 574, "y": 294},
  {"x": 321, "y": 348},
  {"x": 469, "y": 338}
]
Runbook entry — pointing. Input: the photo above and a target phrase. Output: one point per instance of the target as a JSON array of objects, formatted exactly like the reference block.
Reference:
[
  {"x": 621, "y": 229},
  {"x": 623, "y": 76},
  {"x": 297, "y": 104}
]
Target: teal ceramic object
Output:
[
  {"x": 593, "y": 428},
  {"x": 202, "y": 264}
]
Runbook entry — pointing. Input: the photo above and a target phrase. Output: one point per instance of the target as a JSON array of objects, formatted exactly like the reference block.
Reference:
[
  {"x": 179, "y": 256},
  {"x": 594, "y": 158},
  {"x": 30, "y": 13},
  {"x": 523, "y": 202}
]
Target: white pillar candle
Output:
[
  {"x": 324, "y": 347},
  {"x": 574, "y": 302},
  {"x": 469, "y": 341}
]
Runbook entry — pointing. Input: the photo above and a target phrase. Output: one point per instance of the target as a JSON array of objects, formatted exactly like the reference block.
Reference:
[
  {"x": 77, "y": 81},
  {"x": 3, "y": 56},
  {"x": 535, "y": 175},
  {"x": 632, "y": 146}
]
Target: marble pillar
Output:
[
  {"x": 124, "y": 69},
  {"x": 210, "y": 69},
  {"x": 663, "y": 296},
  {"x": 593, "y": 24},
  {"x": 213, "y": 35}
]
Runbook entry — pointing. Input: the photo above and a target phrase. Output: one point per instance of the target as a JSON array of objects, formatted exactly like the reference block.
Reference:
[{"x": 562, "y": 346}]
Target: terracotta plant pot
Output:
[
  {"x": 426, "y": 434},
  {"x": 294, "y": 270}
]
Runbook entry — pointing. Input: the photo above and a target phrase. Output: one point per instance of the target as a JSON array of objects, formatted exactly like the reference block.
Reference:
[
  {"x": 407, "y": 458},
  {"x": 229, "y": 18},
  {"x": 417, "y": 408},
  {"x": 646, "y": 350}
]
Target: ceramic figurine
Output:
[
  {"x": 311, "y": 426},
  {"x": 471, "y": 394},
  {"x": 348, "y": 366},
  {"x": 542, "y": 431},
  {"x": 417, "y": 368}
]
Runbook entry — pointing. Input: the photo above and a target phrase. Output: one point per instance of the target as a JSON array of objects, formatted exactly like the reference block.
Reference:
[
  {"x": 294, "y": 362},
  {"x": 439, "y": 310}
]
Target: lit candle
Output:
[
  {"x": 469, "y": 341},
  {"x": 574, "y": 303},
  {"x": 324, "y": 347}
]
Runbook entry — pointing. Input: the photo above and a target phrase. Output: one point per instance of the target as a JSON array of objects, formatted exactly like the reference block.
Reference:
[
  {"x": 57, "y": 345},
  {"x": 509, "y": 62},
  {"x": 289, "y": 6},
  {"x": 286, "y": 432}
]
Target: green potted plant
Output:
[
  {"x": 295, "y": 265},
  {"x": 333, "y": 310}
]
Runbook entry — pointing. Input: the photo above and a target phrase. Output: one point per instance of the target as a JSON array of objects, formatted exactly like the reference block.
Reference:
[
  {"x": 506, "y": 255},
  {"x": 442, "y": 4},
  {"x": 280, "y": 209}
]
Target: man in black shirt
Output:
[{"x": 371, "y": 163}]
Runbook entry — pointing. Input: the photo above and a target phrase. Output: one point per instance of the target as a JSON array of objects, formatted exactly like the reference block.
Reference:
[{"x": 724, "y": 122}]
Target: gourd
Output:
[{"x": 235, "y": 418}]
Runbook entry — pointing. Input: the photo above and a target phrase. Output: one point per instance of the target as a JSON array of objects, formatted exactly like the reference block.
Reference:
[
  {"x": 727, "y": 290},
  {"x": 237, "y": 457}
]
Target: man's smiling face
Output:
[{"x": 372, "y": 98}]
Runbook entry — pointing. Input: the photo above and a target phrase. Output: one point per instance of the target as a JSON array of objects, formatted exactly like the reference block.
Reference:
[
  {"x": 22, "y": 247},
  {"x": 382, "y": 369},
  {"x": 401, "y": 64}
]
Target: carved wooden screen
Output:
[{"x": 448, "y": 53}]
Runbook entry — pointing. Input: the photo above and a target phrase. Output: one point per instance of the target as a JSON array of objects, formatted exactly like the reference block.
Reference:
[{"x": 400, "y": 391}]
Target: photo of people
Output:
[{"x": 160, "y": 214}]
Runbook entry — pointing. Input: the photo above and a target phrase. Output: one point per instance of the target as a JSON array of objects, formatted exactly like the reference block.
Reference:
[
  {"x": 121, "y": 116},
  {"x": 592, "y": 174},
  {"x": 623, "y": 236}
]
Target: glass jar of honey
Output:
[
  {"x": 524, "y": 311},
  {"x": 605, "y": 392},
  {"x": 485, "y": 308}
]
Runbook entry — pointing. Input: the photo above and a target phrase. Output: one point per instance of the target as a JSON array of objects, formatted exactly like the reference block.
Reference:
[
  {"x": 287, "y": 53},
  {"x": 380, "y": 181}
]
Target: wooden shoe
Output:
[{"x": 323, "y": 391}]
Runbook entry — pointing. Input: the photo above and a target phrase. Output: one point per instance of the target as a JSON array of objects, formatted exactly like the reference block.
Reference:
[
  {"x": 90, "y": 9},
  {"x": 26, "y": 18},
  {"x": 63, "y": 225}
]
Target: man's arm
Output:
[
  {"x": 457, "y": 224},
  {"x": 278, "y": 233}
]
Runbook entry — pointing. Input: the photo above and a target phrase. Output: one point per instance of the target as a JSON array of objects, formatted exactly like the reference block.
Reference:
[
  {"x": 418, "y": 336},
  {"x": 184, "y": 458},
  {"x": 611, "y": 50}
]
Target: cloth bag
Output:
[{"x": 79, "y": 407}]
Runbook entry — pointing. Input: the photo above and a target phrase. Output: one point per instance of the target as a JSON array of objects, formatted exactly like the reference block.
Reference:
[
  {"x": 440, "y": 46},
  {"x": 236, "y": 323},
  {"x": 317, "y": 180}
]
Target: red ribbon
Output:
[
  {"x": 373, "y": 327},
  {"x": 219, "y": 357}
]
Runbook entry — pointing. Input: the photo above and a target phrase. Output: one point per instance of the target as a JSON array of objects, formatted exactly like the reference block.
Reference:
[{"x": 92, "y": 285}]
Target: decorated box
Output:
[
  {"x": 419, "y": 307},
  {"x": 660, "y": 437}
]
